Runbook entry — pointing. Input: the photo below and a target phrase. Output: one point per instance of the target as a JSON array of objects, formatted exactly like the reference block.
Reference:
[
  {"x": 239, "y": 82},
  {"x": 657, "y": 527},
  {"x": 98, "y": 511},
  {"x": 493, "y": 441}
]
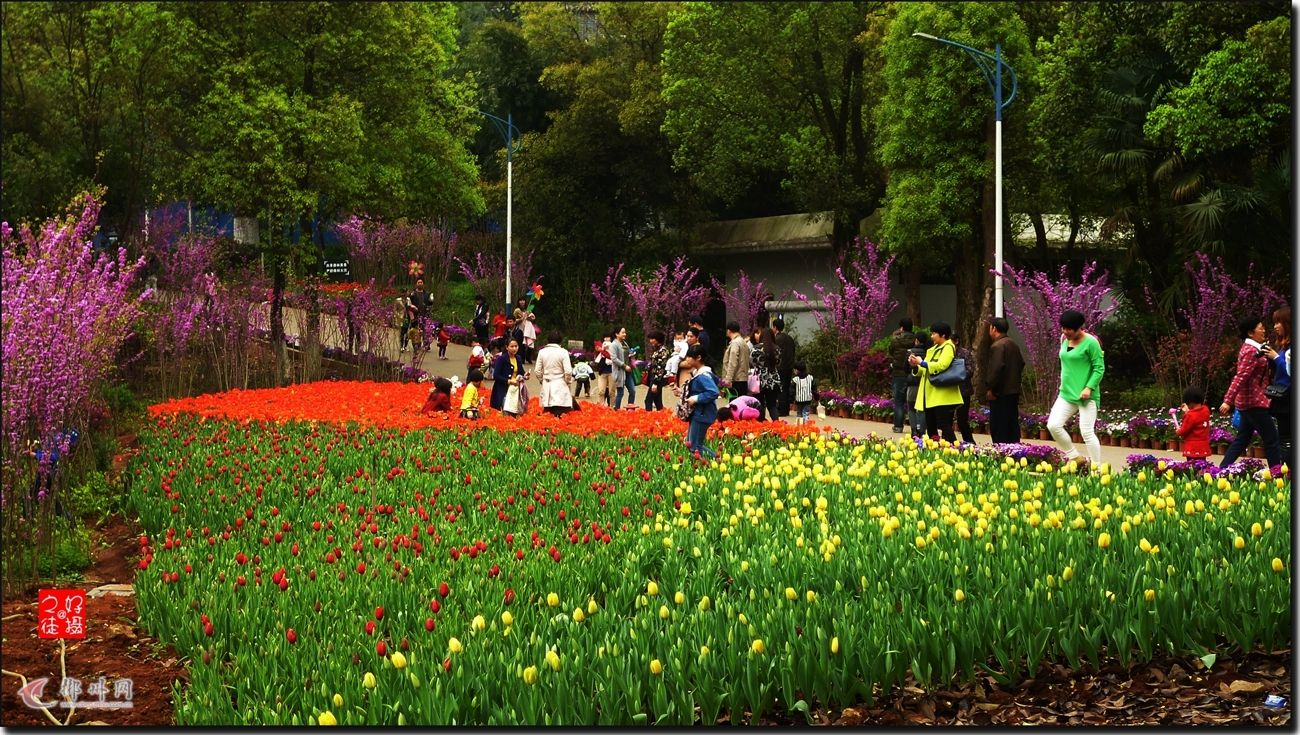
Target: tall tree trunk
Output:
[
  {"x": 912, "y": 290},
  {"x": 311, "y": 352},
  {"x": 277, "y": 322}
]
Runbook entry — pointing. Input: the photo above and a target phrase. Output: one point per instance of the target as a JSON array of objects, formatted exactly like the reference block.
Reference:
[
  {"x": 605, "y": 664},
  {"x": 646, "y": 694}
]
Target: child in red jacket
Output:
[
  {"x": 444, "y": 337},
  {"x": 439, "y": 398},
  {"x": 1195, "y": 428}
]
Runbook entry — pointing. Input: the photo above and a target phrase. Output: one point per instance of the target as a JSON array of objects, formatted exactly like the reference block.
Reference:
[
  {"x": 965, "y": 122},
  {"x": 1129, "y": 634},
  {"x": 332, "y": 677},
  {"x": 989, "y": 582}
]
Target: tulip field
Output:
[{"x": 322, "y": 572}]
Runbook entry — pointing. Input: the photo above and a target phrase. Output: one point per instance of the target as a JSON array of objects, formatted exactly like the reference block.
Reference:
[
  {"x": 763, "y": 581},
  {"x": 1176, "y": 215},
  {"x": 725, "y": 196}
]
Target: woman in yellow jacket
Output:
[{"x": 937, "y": 402}]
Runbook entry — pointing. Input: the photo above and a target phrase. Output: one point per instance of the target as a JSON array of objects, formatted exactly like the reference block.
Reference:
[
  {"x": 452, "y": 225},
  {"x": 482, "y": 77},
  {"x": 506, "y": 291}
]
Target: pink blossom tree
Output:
[
  {"x": 384, "y": 250},
  {"x": 610, "y": 297},
  {"x": 66, "y": 311},
  {"x": 855, "y": 313},
  {"x": 667, "y": 296},
  {"x": 1202, "y": 349},
  {"x": 1034, "y": 304},
  {"x": 745, "y": 301},
  {"x": 487, "y": 275}
]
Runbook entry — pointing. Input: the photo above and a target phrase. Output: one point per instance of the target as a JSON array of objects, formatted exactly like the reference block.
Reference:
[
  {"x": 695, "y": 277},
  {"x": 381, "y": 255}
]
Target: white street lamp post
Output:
[{"x": 991, "y": 65}]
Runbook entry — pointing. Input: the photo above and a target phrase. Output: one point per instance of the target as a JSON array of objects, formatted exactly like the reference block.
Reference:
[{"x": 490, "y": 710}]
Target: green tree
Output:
[
  {"x": 597, "y": 185},
  {"x": 936, "y": 140},
  {"x": 313, "y": 110},
  {"x": 778, "y": 91}
]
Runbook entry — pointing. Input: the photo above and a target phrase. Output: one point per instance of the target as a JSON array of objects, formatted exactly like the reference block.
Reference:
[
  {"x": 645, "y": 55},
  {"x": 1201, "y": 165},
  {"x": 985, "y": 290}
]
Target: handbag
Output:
[
  {"x": 755, "y": 384},
  {"x": 524, "y": 397},
  {"x": 956, "y": 374},
  {"x": 511, "y": 404},
  {"x": 1277, "y": 391},
  {"x": 683, "y": 411}
]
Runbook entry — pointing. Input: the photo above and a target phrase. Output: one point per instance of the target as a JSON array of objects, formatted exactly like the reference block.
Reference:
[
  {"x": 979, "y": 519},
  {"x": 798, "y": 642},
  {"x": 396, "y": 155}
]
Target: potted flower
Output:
[
  {"x": 859, "y": 410},
  {"x": 1118, "y": 433}
]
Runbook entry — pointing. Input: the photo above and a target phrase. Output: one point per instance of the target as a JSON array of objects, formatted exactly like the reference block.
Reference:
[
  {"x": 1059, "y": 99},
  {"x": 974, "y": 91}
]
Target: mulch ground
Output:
[{"x": 115, "y": 647}]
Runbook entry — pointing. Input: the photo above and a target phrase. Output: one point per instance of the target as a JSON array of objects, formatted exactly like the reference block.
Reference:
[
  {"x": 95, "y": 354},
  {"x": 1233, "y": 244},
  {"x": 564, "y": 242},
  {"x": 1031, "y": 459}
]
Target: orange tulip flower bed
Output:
[{"x": 397, "y": 406}]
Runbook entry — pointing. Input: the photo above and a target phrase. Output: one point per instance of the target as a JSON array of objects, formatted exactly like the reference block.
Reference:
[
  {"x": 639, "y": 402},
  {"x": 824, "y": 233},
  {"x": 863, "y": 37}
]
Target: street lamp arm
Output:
[{"x": 987, "y": 63}]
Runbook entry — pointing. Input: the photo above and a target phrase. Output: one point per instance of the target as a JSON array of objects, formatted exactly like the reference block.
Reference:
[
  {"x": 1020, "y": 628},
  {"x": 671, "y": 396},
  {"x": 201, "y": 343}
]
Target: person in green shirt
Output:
[{"x": 1082, "y": 365}]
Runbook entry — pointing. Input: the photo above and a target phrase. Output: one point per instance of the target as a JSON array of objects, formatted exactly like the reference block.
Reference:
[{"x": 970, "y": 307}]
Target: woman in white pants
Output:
[{"x": 1082, "y": 366}]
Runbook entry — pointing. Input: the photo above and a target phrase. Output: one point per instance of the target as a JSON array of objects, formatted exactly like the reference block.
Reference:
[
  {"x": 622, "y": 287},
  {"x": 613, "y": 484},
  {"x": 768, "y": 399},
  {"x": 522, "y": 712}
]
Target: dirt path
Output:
[{"x": 114, "y": 647}]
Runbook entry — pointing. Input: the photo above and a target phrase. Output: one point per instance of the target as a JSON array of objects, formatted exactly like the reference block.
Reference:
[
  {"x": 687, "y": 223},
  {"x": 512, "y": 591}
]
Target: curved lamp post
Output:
[
  {"x": 991, "y": 65},
  {"x": 508, "y": 132}
]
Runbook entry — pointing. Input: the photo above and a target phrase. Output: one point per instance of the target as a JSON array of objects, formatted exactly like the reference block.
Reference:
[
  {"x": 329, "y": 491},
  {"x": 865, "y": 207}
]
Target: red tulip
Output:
[
  {"x": 444, "y": 590},
  {"x": 379, "y": 613},
  {"x": 381, "y": 648},
  {"x": 510, "y": 595},
  {"x": 428, "y": 624},
  {"x": 361, "y": 567},
  {"x": 292, "y": 635},
  {"x": 370, "y": 627}
]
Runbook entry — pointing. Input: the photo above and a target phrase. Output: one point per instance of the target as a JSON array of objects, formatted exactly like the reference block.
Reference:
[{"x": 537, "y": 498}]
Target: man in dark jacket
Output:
[
  {"x": 784, "y": 365},
  {"x": 900, "y": 370},
  {"x": 697, "y": 322},
  {"x": 1001, "y": 384}
]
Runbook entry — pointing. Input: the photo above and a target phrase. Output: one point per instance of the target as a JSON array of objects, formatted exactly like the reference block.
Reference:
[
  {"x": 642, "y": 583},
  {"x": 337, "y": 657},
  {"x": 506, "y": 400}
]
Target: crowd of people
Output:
[{"x": 932, "y": 383}]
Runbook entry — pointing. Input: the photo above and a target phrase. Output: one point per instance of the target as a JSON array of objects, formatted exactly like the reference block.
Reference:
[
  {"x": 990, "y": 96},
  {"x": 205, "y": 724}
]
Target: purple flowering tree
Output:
[
  {"x": 186, "y": 284},
  {"x": 1204, "y": 352},
  {"x": 385, "y": 250},
  {"x": 1034, "y": 303},
  {"x": 855, "y": 313},
  {"x": 745, "y": 301},
  {"x": 609, "y": 295},
  {"x": 487, "y": 275},
  {"x": 666, "y": 296},
  {"x": 66, "y": 311}
]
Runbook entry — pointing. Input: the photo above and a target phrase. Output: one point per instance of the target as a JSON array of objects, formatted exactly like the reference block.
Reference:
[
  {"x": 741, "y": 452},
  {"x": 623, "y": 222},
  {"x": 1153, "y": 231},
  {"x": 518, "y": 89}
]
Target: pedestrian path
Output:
[{"x": 458, "y": 355}]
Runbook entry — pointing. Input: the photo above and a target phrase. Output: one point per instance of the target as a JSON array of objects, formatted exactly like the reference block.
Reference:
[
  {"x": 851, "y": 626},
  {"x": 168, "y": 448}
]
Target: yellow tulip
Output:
[
  {"x": 338, "y": 699},
  {"x": 757, "y": 646},
  {"x": 790, "y": 594},
  {"x": 663, "y": 612},
  {"x": 478, "y": 623},
  {"x": 453, "y": 645},
  {"x": 507, "y": 619},
  {"x": 1068, "y": 574},
  {"x": 578, "y": 615},
  {"x": 530, "y": 675},
  {"x": 552, "y": 599},
  {"x": 1149, "y": 595},
  {"x": 368, "y": 681},
  {"x": 656, "y": 668},
  {"x": 1256, "y": 530},
  {"x": 835, "y": 645},
  {"x": 553, "y": 660},
  {"x": 704, "y": 603},
  {"x": 326, "y": 718},
  {"x": 1145, "y": 545},
  {"x": 686, "y": 509},
  {"x": 652, "y": 588},
  {"x": 399, "y": 660},
  {"x": 1277, "y": 564},
  {"x": 679, "y": 598},
  {"x": 1104, "y": 540},
  {"x": 591, "y": 606},
  {"x": 959, "y": 596},
  {"x": 1239, "y": 543},
  {"x": 810, "y": 596},
  {"x": 704, "y": 651}
]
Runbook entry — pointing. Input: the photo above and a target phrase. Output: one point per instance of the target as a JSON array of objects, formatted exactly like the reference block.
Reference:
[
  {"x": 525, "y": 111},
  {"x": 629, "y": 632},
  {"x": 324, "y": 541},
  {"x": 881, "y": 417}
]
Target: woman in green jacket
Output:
[
  {"x": 937, "y": 402},
  {"x": 1082, "y": 365}
]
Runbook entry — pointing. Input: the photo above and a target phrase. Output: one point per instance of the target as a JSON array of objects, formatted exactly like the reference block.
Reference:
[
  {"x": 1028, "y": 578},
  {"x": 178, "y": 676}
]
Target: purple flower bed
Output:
[
  {"x": 1242, "y": 468},
  {"x": 458, "y": 334}
]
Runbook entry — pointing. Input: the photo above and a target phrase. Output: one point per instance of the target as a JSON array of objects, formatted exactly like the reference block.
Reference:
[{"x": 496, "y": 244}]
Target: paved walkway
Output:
[{"x": 458, "y": 355}]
